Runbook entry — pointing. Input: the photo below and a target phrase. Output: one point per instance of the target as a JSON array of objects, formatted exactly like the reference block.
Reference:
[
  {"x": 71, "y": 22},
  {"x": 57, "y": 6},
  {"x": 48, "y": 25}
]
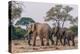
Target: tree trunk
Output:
[{"x": 63, "y": 25}]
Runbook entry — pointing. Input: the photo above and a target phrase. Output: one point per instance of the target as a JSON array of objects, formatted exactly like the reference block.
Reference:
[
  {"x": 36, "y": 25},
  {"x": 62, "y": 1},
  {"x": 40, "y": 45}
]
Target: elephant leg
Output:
[
  {"x": 73, "y": 43},
  {"x": 64, "y": 41},
  {"x": 68, "y": 42},
  {"x": 29, "y": 38},
  {"x": 56, "y": 41},
  {"x": 61, "y": 41},
  {"x": 34, "y": 41},
  {"x": 42, "y": 43},
  {"x": 52, "y": 41},
  {"x": 47, "y": 41},
  {"x": 29, "y": 42}
]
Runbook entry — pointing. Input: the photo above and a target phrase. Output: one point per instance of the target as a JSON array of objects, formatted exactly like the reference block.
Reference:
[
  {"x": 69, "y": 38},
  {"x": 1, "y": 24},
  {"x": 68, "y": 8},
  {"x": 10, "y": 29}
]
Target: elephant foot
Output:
[
  {"x": 73, "y": 44},
  {"x": 47, "y": 44},
  {"x": 34, "y": 45},
  {"x": 29, "y": 44},
  {"x": 63, "y": 44},
  {"x": 56, "y": 44},
  {"x": 42, "y": 44},
  {"x": 68, "y": 44},
  {"x": 52, "y": 43}
]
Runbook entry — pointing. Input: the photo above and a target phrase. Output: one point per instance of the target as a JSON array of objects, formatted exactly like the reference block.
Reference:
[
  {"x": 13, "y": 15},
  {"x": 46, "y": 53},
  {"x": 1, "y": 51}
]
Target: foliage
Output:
[
  {"x": 75, "y": 21},
  {"x": 74, "y": 29},
  {"x": 17, "y": 33},
  {"x": 16, "y": 9},
  {"x": 58, "y": 14},
  {"x": 25, "y": 21}
]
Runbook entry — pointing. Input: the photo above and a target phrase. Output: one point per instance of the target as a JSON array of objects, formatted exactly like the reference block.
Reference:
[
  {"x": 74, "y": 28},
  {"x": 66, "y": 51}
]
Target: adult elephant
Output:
[
  {"x": 65, "y": 35},
  {"x": 59, "y": 36},
  {"x": 58, "y": 33},
  {"x": 42, "y": 30}
]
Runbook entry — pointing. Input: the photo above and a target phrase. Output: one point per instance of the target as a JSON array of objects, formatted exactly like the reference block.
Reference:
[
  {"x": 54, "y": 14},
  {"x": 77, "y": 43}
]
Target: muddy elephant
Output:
[
  {"x": 69, "y": 36},
  {"x": 42, "y": 30}
]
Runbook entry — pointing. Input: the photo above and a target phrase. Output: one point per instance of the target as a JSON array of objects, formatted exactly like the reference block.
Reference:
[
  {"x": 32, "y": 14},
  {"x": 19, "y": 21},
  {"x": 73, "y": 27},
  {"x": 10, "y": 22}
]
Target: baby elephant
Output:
[{"x": 69, "y": 36}]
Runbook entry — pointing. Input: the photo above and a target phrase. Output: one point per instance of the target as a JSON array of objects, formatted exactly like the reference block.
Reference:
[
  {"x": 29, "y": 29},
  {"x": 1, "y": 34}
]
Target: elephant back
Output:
[{"x": 70, "y": 34}]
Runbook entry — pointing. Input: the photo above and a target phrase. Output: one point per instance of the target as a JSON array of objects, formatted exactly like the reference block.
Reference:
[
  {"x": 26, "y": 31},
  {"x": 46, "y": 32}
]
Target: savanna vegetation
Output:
[
  {"x": 58, "y": 14},
  {"x": 18, "y": 32},
  {"x": 15, "y": 10}
]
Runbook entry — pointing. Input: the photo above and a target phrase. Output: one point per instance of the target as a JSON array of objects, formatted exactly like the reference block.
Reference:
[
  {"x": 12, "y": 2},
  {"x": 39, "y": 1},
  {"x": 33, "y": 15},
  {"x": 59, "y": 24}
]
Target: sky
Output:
[{"x": 37, "y": 11}]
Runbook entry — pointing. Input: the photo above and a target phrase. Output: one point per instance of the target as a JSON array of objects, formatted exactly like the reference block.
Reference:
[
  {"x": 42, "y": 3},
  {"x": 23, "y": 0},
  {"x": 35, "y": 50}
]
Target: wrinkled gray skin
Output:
[
  {"x": 58, "y": 33},
  {"x": 66, "y": 35},
  {"x": 69, "y": 36},
  {"x": 41, "y": 30}
]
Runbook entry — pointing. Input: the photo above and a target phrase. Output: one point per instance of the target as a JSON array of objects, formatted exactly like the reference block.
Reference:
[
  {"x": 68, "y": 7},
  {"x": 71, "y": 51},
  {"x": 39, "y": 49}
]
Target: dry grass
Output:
[{"x": 22, "y": 46}]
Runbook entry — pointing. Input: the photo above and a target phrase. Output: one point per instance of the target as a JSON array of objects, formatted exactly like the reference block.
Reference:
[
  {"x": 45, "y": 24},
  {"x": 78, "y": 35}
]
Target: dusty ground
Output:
[{"x": 22, "y": 46}]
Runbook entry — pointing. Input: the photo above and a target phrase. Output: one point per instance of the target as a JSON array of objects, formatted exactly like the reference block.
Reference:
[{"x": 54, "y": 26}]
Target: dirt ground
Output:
[{"x": 19, "y": 46}]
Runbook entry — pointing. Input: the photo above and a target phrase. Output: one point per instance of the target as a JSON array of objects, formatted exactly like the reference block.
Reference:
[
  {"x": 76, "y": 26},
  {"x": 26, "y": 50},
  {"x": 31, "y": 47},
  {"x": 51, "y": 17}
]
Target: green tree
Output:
[
  {"x": 17, "y": 33},
  {"x": 74, "y": 21},
  {"x": 74, "y": 28},
  {"x": 59, "y": 14},
  {"x": 16, "y": 9},
  {"x": 25, "y": 21}
]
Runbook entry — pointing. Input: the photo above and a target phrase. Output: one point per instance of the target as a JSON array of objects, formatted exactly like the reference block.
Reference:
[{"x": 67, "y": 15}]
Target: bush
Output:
[
  {"x": 17, "y": 33},
  {"x": 74, "y": 29}
]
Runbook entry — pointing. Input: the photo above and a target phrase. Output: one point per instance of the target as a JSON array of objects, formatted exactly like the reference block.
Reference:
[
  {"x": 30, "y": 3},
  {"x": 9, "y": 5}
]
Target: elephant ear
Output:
[{"x": 33, "y": 27}]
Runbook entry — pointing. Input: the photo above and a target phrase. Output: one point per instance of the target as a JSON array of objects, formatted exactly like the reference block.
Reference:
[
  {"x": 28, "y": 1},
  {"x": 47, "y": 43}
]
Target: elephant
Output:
[
  {"x": 65, "y": 35},
  {"x": 69, "y": 36},
  {"x": 57, "y": 32},
  {"x": 28, "y": 37},
  {"x": 59, "y": 36},
  {"x": 43, "y": 30}
]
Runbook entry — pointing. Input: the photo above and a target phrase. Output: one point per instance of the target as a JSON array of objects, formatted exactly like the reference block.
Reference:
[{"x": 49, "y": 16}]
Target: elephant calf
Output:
[{"x": 69, "y": 36}]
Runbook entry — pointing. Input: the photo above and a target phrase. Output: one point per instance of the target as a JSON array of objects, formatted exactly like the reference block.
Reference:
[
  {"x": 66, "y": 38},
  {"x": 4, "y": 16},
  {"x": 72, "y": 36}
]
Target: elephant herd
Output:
[{"x": 44, "y": 31}]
